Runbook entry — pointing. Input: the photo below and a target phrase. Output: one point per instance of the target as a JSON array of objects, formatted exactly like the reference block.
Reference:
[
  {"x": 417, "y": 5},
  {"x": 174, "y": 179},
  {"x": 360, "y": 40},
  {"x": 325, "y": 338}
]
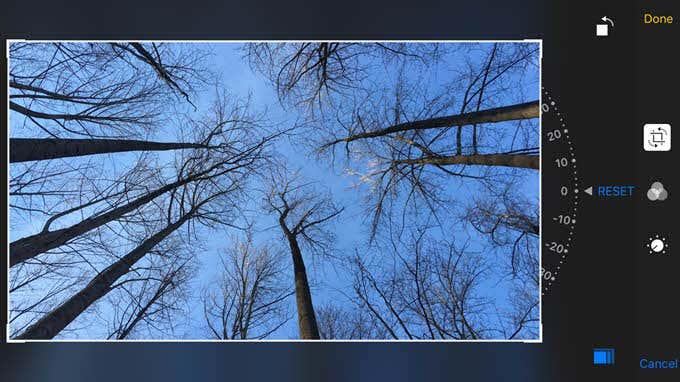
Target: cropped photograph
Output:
[{"x": 274, "y": 191}]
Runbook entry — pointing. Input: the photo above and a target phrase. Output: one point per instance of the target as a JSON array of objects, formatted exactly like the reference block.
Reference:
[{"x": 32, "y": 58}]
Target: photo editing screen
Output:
[{"x": 477, "y": 192}]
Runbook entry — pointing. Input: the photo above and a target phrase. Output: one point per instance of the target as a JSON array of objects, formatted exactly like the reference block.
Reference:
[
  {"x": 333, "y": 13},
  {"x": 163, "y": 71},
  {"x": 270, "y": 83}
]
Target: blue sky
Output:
[{"x": 350, "y": 230}]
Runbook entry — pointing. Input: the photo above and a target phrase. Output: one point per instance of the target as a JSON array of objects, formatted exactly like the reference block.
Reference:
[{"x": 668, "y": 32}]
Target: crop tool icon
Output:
[{"x": 657, "y": 137}]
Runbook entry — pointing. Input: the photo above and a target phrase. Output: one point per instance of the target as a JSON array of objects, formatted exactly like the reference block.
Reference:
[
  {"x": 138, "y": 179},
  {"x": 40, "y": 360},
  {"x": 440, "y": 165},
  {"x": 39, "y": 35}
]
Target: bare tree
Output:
[
  {"x": 71, "y": 264},
  {"x": 302, "y": 214},
  {"x": 131, "y": 307},
  {"x": 100, "y": 90},
  {"x": 524, "y": 110},
  {"x": 209, "y": 137},
  {"x": 248, "y": 302},
  {"x": 153, "y": 296},
  {"x": 56, "y": 320},
  {"x": 353, "y": 323},
  {"x": 510, "y": 221},
  {"x": 206, "y": 190},
  {"x": 97, "y": 90},
  {"x": 172, "y": 75},
  {"x": 205, "y": 201},
  {"x": 310, "y": 74},
  {"x": 234, "y": 150},
  {"x": 404, "y": 141},
  {"x": 31, "y": 149},
  {"x": 506, "y": 212},
  {"x": 431, "y": 289}
]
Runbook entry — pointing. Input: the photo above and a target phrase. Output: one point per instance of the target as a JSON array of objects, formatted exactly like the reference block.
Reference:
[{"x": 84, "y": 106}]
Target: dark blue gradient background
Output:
[
  {"x": 289, "y": 361},
  {"x": 272, "y": 361}
]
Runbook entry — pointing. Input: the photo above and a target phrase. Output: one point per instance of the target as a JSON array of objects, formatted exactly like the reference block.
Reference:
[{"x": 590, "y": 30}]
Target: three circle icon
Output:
[{"x": 657, "y": 192}]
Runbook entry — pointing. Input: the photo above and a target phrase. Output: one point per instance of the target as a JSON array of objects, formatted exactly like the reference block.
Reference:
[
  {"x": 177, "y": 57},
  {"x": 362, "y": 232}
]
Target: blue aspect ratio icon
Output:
[{"x": 603, "y": 356}]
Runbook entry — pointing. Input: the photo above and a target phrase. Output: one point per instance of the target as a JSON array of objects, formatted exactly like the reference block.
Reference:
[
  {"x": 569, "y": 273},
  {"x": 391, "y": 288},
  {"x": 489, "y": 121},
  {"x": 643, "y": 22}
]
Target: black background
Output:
[{"x": 610, "y": 293}]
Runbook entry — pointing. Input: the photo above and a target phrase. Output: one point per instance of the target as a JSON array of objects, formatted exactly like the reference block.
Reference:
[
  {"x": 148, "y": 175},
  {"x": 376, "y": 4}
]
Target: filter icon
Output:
[{"x": 657, "y": 192}]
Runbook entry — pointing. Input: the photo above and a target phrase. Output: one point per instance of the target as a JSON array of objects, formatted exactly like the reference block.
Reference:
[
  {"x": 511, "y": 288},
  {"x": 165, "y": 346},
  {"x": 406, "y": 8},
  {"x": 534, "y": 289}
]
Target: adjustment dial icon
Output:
[{"x": 657, "y": 244}]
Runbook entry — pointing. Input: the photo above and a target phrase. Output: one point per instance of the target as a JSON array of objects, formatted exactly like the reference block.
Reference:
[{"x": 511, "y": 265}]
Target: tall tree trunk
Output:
[
  {"x": 31, "y": 246},
  {"x": 505, "y": 160},
  {"x": 303, "y": 297},
  {"x": 30, "y": 149},
  {"x": 53, "y": 322},
  {"x": 525, "y": 110}
]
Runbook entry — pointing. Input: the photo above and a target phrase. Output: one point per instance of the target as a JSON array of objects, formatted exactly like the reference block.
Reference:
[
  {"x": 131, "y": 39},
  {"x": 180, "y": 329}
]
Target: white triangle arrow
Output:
[{"x": 589, "y": 190}]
